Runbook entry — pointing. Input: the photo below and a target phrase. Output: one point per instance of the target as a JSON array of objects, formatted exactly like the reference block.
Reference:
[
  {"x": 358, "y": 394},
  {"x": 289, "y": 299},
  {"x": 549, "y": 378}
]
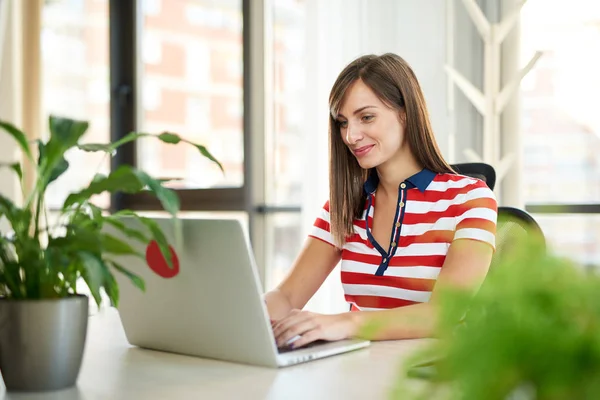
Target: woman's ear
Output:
[{"x": 402, "y": 117}]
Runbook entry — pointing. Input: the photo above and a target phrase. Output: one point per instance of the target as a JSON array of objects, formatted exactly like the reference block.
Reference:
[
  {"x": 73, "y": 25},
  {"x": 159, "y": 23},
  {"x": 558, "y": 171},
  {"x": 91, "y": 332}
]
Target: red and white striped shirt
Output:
[{"x": 433, "y": 210}]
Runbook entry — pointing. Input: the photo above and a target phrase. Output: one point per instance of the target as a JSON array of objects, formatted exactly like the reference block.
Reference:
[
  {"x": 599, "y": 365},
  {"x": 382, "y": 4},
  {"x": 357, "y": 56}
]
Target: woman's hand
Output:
[{"x": 311, "y": 327}]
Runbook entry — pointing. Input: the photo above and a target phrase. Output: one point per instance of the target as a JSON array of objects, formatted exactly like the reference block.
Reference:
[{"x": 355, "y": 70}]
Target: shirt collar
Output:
[{"x": 420, "y": 180}]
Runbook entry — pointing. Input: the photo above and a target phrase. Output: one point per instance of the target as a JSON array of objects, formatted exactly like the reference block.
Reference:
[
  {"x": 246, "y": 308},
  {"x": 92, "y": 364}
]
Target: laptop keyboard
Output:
[{"x": 287, "y": 349}]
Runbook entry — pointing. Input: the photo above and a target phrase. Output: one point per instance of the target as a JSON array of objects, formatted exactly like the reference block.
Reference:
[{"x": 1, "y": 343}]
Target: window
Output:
[
  {"x": 283, "y": 155},
  {"x": 561, "y": 124},
  {"x": 179, "y": 66},
  {"x": 575, "y": 236},
  {"x": 191, "y": 83},
  {"x": 74, "y": 44}
]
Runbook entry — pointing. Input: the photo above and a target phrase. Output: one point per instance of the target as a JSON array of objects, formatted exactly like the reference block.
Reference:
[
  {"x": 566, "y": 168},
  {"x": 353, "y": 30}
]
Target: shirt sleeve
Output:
[
  {"x": 321, "y": 228},
  {"x": 477, "y": 214}
]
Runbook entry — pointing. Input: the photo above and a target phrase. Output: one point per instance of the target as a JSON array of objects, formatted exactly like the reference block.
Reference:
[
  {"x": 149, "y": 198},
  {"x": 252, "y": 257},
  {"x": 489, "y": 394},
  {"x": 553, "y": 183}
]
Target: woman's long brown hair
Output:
[{"x": 393, "y": 81}]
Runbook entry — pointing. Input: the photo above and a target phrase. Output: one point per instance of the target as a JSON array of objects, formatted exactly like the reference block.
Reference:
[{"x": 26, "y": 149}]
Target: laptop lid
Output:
[{"x": 209, "y": 304}]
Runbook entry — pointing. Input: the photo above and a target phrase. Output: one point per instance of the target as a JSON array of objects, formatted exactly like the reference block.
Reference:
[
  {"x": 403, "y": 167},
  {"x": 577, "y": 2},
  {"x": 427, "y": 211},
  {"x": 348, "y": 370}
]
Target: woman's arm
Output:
[
  {"x": 466, "y": 266},
  {"x": 314, "y": 263}
]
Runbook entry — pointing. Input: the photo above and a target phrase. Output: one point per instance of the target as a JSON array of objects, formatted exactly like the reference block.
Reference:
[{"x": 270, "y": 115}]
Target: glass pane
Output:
[
  {"x": 191, "y": 84},
  {"x": 284, "y": 240},
  {"x": 574, "y": 236},
  {"x": 75, "y": 76},
  {"x": 285, "y": 158},
  {"x": 561, "y": 122},
  {"x": 289, "y": 82}
]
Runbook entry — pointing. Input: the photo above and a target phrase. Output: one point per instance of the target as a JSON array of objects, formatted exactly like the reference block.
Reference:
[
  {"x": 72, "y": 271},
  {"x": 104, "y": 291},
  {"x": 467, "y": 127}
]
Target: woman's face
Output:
[{"x": 373, "y": 132}]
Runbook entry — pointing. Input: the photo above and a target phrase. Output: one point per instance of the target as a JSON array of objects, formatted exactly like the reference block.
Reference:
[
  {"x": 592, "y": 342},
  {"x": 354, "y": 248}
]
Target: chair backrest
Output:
[
  {"x": 514, "y": 226},
  {"x": 482, "y": 171}
]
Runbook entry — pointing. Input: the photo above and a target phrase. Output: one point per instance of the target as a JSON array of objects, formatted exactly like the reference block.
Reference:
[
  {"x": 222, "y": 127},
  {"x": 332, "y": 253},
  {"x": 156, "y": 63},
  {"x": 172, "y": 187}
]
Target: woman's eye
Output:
[
  {"x": 342, "y": 124},
  {"x": 367, "y": 118}
]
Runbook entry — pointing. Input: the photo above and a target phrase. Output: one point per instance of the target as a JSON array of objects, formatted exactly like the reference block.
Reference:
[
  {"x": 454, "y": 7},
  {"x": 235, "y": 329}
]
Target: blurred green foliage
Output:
[{"x": 531, "y": 332}]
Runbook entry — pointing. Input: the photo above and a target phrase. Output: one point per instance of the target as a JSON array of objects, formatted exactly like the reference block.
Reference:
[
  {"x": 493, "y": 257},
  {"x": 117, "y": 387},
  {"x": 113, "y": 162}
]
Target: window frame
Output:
[
  {"x": 563, "y": 208},
  {"x": 545, "y": 207},
  {"x": 124, "y": 28}
]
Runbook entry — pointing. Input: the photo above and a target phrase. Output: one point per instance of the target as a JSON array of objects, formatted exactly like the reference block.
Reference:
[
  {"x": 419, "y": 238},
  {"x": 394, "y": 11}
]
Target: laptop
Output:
[{"x": 209, "y": 303}]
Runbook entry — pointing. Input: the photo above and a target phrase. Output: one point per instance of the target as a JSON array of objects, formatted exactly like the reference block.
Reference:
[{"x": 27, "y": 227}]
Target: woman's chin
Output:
[{"x": 366, "y": 162}]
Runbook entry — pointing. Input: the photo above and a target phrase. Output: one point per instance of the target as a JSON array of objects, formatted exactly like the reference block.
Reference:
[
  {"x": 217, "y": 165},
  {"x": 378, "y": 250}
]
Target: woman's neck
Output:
[{"x": 395, "y": 171}]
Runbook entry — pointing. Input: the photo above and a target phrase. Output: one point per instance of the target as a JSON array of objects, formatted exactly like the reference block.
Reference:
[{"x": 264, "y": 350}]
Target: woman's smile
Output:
[{"x": 362, "y": 151}]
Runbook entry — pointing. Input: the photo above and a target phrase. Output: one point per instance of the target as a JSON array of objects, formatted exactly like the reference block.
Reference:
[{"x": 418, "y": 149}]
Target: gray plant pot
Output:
[{"x": 42, "y": 342}]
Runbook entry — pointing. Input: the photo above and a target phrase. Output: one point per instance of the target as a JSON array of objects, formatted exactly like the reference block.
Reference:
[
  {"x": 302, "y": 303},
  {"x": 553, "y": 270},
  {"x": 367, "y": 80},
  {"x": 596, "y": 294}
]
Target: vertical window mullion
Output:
[
  {"x": 123, "y": 99},
  {"x": 257, "y": 121}
]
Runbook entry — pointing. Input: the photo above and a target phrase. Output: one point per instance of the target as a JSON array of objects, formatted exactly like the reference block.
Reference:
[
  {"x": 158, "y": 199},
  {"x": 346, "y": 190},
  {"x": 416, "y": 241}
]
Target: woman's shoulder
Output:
[
  {"x": 457, "y": 183},
  {"x": 456, "y": 189}
]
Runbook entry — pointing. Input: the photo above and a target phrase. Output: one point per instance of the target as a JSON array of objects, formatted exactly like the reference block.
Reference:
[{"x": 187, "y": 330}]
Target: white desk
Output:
[{"x": 113, "y": 369}]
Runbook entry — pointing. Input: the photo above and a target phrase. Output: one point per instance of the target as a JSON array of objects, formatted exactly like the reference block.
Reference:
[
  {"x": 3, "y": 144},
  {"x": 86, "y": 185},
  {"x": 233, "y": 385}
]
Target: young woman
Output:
[{"x": 399, "y": 219}]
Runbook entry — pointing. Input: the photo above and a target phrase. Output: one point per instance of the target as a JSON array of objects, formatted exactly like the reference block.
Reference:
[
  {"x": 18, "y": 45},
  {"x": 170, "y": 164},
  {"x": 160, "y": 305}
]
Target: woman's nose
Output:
[{"x": 352, "y": 134}]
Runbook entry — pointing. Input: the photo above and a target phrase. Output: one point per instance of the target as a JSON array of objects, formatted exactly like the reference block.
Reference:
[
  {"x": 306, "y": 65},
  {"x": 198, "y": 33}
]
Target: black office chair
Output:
[
  {"x": 514, "y": 227},
  {"x": 482, "y": 171}
]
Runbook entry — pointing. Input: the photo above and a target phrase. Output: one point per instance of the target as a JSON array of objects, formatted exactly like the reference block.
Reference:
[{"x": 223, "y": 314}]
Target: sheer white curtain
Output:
[
  {"x": 338, "y": 32},
  {"x": 9, "y": 92},
  {"x": 3, "y": 29}
]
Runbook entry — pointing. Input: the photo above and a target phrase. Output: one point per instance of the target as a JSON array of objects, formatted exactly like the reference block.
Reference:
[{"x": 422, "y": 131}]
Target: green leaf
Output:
[
  {"x": 165, "y": 137},
  {"x": 167, "y": 197},
  {"x": 15, "y": 167},
  {"x": 135, "y": 279},
  {"x": 170, "y": 138},
  {"x": 96, "y": 213},
  {"x": 18, "y": 218},
  {"x": 129, "y": 180},
  {"x": 9, "y": 273},
  {"x": 66, "y": 131},
  {"x": 168, "y": 180},
  {"x": 204, "y": 151},
  {"x": 57, "y": 257},
  {"x": 123, "y": 179},
  {"x": 111, "y": 147},
  {"x": 111, "y": 287},
  {"x": 156, "y": 232},
  {"x": 93, "y": 147},
  {"x": 19, "y": 137},
  {"x": 128, "y": 232},
  {"x": 61, "y": 167},
  {"x": 93, "y": 274},
  {"x": 78, "y": 238},
  {"x": 113, "y": 245},
  {"x": 98, "y": 178},
  {"x": 7, "y": 207},
  {"x": 64, "y": 135}
]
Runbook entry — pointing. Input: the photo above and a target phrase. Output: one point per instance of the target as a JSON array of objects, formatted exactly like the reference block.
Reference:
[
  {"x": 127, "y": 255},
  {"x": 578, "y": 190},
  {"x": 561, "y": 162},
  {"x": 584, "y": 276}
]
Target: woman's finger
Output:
[
  {"x": 295, "y": 330},
  {"x": 289, "y": 321},
  {"x": 275, "y": 323},
  {"x": 283, "y": 326},
  {"x": 307, "y": 338}
]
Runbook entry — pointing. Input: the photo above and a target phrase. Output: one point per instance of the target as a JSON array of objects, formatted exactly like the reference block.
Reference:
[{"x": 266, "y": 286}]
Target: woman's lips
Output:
[{"x": 361, "y": 151}]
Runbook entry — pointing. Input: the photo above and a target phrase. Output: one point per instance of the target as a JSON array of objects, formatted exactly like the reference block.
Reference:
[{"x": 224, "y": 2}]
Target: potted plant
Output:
[
  {"x": 43, "y": 318},
  {"x": 531, "y": 332}
]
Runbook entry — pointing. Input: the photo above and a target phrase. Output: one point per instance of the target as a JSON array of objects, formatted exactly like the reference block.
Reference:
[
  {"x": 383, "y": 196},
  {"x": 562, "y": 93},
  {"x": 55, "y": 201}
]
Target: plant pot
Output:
[{"x": 42, "y": 342}]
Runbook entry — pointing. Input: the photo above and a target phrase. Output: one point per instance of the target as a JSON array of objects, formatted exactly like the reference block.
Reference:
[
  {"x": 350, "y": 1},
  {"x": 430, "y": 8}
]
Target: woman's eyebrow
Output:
[{"x": 357, "y": 110}]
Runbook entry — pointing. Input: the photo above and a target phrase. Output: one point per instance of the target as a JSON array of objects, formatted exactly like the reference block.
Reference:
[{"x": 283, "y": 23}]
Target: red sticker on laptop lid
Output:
[{"x": 158, "y": 263}]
